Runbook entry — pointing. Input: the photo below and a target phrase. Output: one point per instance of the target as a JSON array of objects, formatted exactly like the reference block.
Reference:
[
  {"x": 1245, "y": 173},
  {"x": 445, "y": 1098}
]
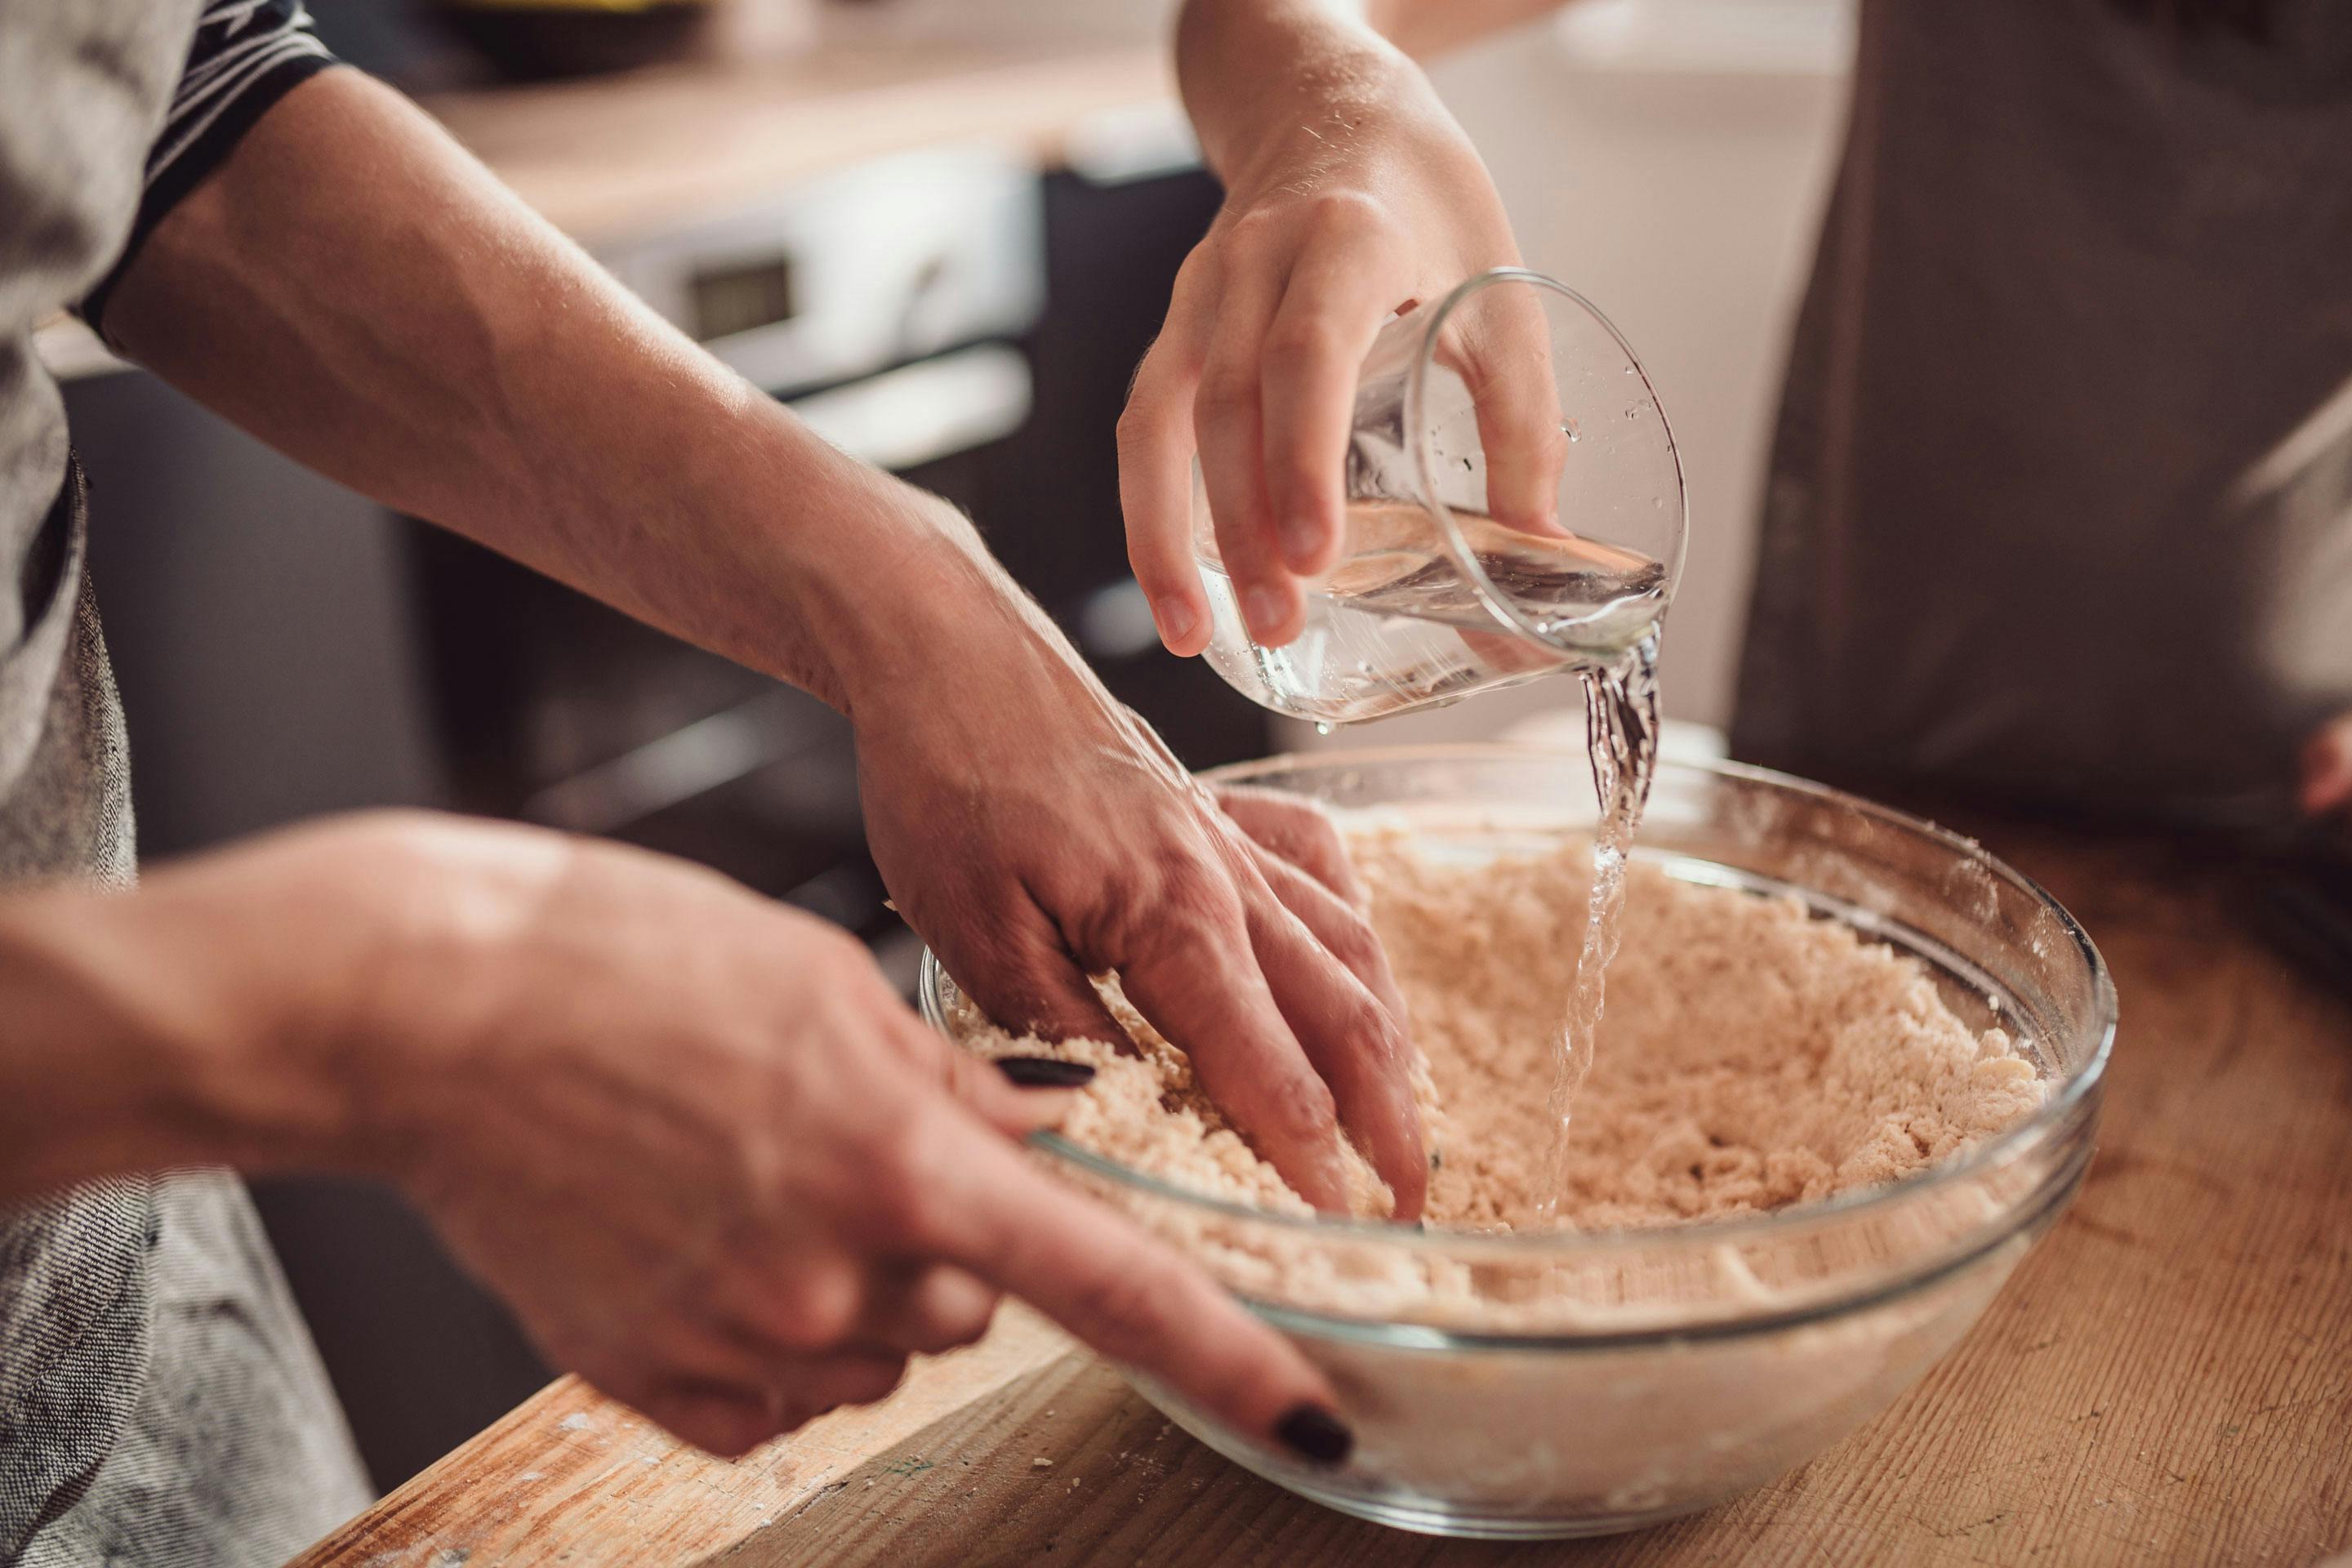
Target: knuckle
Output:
[
  {"x": 1302, "y": 1107},
  {"x": 730, "y": 1434},
  {"x": 933, "y": 1336},
  {"x": 1138, "y": 424},
  {"x": 1349, "y": 211},
  {"x": 1328, "y": 865},
  {"x": 1295, "y": 478},
  {"x": 879, "y": 1382},
  {"x": 1253, "y": 226},
  {"x": 1199, "y": 906},
  {"x": 816, "y": 1309},
  {"x": 393, "y": 828},
  {"x": 965, "y": 1077},
  {"x": 963, "y": 1326},
  {"x": 625, "y": 1377},
  {"x": 1227, "y": 391},
  {"x": 1349, "y": 937},
  {"x": 1307, "y": 342},
  {"x": 1151, "y": 396},
  {"x": 1310, "y": 829},
  {"x": 1198, "y": 269},
  {"x": 395, "y": 845},
  {"x": 1148, "y": 550},
  {"x": 1379, "y": 1032},
  {"x": 1025, "y": 982},
  {"x": 1144, "y": 561}
]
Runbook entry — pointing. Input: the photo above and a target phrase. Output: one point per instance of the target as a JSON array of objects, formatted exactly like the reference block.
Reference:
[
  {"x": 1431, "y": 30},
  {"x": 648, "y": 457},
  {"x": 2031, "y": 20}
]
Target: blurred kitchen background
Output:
[{"x": 944, "y": 230}]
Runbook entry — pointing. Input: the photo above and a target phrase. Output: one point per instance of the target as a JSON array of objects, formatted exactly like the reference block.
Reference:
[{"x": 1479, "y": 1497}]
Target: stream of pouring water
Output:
[
  {"x": 1621, "y": 730},
  {"x": 1397, "y": 626}
]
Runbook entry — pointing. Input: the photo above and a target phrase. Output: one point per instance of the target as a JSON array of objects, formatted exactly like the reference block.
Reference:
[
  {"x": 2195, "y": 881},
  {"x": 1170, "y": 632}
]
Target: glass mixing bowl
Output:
[{"x": 1578, "y": 1382}]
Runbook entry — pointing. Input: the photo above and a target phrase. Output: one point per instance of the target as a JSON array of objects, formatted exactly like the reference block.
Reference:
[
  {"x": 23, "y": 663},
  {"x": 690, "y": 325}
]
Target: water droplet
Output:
[
  {"x": 1322, "y": 729},
  {"x": 1629, "y": 370},
  {"x": 1657, "y": 503},
  {"x": 1634, "y": 411},
  {"x": 1571, "y": 431}
]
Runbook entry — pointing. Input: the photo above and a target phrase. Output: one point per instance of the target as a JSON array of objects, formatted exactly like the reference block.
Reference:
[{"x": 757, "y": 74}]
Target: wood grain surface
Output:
[
  {"x": 2168, "y": 1379},
  {"x": 607, "y": 157}
]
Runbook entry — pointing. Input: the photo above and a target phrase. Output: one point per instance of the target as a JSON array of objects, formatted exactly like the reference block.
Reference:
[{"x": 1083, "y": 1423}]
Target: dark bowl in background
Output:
[{"x": 552, "y": 40}]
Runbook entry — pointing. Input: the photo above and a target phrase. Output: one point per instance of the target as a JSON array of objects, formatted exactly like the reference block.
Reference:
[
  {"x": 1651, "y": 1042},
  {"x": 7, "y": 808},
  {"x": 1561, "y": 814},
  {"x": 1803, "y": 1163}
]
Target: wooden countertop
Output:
[
  {"x": 611, "y": 157},
  {"x": 2166, "y": 1379}
]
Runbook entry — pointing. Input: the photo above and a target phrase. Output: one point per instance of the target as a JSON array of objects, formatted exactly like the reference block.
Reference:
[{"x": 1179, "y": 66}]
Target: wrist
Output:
[
  {"x": 148, "y": 1031},
  {"x": 895, "y": 599},
  {"x": 1265, "y": 83}
]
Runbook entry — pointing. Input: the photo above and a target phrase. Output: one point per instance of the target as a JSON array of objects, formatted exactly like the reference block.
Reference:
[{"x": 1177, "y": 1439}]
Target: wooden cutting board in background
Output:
[{"x": 2168, "y": 1379}]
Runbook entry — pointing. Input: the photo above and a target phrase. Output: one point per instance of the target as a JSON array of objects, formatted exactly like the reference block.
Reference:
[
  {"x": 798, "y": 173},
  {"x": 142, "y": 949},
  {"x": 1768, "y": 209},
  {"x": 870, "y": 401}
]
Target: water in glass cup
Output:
[
  {"x": 1514, "y": 506},
  {"x": 1396, "y": 625},
  {"x": 1512, "y": 401}
]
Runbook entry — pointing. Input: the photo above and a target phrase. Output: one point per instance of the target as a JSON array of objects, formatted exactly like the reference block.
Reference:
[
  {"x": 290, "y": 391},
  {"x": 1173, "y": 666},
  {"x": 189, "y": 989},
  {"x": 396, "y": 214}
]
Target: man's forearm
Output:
[{"x": 355, "y": 290}]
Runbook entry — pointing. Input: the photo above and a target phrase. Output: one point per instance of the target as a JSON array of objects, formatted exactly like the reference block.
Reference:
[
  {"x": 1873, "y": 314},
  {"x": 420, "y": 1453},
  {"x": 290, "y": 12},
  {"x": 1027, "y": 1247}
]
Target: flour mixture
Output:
[{"x": 1752, "y": 1056}]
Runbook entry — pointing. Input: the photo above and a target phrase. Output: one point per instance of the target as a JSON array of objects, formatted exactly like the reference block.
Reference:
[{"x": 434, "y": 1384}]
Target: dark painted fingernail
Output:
[
  {"x": 1314, "y": 1433},
  {"x": 1045, "y": 1072}
]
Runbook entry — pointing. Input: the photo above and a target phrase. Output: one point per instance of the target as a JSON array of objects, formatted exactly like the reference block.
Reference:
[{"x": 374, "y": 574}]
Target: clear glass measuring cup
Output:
[{"x": 1515, "y": 507}]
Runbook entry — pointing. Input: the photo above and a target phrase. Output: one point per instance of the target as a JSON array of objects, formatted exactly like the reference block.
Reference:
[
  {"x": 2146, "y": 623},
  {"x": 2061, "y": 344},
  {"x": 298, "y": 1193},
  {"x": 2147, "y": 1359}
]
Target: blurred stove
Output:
[{"x": 951, "y": 315}]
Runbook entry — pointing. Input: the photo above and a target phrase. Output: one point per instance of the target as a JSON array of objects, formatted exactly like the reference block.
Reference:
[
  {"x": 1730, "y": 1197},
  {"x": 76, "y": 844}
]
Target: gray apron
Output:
[
  {"x": 2061, "y": 500},
  {"x": 159, "y": 1401}
]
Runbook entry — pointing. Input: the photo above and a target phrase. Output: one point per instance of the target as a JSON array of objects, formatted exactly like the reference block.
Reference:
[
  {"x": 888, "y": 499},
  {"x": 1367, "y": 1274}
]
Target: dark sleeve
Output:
[{"x": 245, "y": 55}]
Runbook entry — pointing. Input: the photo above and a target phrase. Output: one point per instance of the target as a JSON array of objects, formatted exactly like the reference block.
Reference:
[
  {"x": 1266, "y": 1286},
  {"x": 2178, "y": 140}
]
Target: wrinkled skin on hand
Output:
[
  {"x": 694, "y": 1139},
  {"x": 1235, "y": 929}
]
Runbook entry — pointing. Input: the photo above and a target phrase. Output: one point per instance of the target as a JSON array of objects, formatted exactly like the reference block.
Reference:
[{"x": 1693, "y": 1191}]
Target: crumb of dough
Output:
[{"x": 1752, "y": 1056}]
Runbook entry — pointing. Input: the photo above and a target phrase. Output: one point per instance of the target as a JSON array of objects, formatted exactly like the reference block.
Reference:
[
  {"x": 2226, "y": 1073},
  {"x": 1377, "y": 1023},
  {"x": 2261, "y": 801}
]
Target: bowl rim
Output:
[
  {"x": 2043, "y": 1205},
  {"x": 1993, "y": 1152}
]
